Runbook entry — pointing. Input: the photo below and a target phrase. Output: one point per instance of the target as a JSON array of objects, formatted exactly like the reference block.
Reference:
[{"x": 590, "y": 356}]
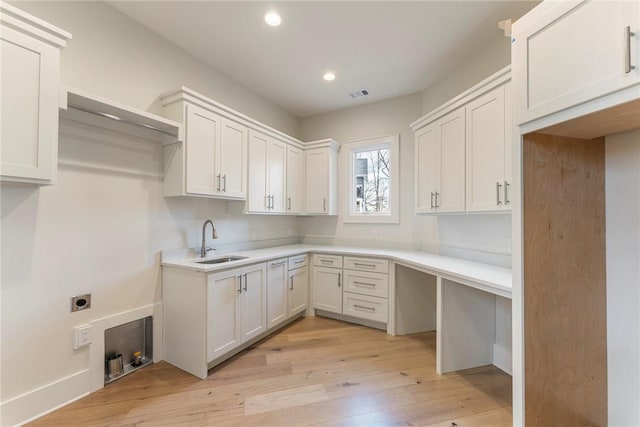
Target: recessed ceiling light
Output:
[
  {"x": 329, "y": 76},
  {"x": 273, "y": 19}
]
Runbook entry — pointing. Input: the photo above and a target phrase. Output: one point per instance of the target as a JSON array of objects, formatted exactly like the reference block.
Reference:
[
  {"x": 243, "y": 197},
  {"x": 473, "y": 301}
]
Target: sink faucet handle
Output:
[{"x": 208, "y": 249}]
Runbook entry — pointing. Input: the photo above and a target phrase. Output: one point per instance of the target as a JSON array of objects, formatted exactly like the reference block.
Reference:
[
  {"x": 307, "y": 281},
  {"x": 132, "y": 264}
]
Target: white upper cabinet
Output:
[
  {"x": 440, "y": 165},
  {"x": 463, "y": 151},
  {"x": 321, "y": 180},
  {"x": 295, "y": 180},
  {"x": 488, "y": 152},
  {"x": 211, "y": 161},
  {"x": 267, "y": 169},
  {"x": 30, "y": 60},
  {"x": 567, "y": 53}
]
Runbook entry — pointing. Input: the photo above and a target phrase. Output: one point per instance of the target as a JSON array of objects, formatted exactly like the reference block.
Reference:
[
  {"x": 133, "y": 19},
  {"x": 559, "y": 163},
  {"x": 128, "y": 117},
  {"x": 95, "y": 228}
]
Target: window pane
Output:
[{"x": 371, "y": 175}]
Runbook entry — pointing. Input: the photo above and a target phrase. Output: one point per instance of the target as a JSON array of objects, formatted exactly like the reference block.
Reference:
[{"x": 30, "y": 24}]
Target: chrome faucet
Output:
[{"x": 214, "y": 234}]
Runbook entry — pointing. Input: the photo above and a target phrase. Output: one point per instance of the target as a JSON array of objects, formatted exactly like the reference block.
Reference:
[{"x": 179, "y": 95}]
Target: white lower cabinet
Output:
[
  {"x": 298, "y": 290},
  {"x": 277, "y": 279},
  {"x": 236, "y": 308},
  {"x": 327, "y": 285}
]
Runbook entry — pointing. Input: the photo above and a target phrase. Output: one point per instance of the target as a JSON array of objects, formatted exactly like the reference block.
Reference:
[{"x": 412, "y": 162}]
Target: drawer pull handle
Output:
[
  {"x": 274, "y": 264},
  {"x": 627, "y": 51},
  {"x": 363, "y": 283},
  {"x": 326, "y": 261},
  {"x": 364, "y": 308},
  {"x": 298, "y": 261},
  {"x": 364, "y": 265}
]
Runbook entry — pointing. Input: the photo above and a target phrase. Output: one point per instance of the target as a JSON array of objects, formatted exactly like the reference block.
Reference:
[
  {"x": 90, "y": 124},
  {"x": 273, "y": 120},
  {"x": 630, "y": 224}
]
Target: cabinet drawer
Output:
[
  {"x": 298, "y": 261},
  {"x": 366, "y": 283},
  {"x": 365, "y": 307},
  {"x": 322, "y": 260},
  {"x": 366, "y": 264}
]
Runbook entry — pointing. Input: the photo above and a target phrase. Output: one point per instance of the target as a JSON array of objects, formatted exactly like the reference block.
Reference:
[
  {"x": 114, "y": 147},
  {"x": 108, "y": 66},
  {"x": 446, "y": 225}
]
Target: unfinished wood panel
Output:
[
  {"x": 621, "y": 118},
  {"x": 564, "y": 281}
]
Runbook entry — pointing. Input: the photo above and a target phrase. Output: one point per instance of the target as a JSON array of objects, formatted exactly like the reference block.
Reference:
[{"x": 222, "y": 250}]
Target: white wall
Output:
[
  {"x": 392, "y": 116},
  {"x": 113, "y": 56},
  {"x": 101, "y": 228},
  {"x": 622, "y": 187}
]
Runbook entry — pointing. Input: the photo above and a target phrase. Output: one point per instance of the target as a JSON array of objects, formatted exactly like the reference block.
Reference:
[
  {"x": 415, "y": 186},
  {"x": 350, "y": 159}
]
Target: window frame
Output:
[{"x": 348, "y": 153}]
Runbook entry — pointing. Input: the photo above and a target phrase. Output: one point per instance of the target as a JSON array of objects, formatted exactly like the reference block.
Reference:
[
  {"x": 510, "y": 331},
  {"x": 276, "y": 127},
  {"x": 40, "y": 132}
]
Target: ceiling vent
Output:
[{"x": 359, "y": 93}]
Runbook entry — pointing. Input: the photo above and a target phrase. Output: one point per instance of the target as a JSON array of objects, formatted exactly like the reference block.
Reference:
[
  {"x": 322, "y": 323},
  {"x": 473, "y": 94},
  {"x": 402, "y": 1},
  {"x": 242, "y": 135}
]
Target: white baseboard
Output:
[
  {"x": 502, "y": 358},
  {"x": 39, "y": 402}
]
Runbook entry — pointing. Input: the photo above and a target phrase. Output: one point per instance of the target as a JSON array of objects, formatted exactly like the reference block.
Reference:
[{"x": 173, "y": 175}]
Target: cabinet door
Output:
[
  {"x": 450, "y": 195},
  {"x": 486, "y": 152},
  {"x": 427, "y": 167},
  {"x": 202, "y": 129},
  {"x": 298, "y": 290},
  {"x": 327, "y": 285},
  {"x": 258, "y": 178},
  {"x": 554, "y": 69},
  {"x": 510, "y": 134},
  {"x": 276, "y": 292},
  {"x": 295, "y": 180},
  {"x": 317, "y": 181},
  {"x": 276, "y": 171},
  {"x": 224, "y": 331},
  {"x": 254, "y": 316},
  {"x": 232, "y": 159},
  {"x": 29, "y": 97}
]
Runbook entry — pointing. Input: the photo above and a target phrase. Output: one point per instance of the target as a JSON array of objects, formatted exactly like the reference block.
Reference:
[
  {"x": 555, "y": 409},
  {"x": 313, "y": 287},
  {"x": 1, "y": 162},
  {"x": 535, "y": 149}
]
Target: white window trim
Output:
[{"x": 347, "y": 150}]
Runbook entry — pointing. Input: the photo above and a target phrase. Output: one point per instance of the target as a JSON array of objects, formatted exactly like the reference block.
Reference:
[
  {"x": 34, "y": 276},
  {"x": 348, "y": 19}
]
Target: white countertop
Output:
[{"x": 490, "y": 278}]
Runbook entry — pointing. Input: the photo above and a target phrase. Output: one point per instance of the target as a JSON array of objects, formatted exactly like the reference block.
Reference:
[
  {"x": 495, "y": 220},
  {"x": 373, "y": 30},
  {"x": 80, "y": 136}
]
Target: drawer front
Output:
[
  {"x": 321, "y": 260},
  {"x": 366, "y": 283},
  {"x": 366, "y": 264},
  {"x": 298, "y": 261},
  {"x": 365, "y": 307}
]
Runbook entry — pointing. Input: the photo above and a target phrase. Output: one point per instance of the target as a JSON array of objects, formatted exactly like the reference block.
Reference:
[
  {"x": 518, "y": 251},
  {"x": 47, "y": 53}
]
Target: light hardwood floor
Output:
[{"x": 316, "y": 371}]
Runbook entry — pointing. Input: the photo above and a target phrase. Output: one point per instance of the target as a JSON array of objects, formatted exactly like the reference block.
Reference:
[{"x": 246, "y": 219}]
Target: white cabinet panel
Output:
[
  {"x": 254, "y": 298},
  {"x": 321, "y": 193},
  {"x": 232, "y": 159},
  {"x": 277, "y": 177},
  {"x": 29, "y": 97},
  {"x": 277, "y": 279},
  {"x": 295, "y": 180},
  {"x": 367, "y": 264},
  {"x": 324, "y": 260},
  {"x": 427, "y": 168},
  {"x": 366, "y": 283},
  {"x": 450, "y": 195},
  {"x": 366, "y": 307},
  {"x": 224, "y": 331},
  {"x": 258, "y": 178},
  {"x": 202, "y": 133},
  {"x": 557, "y": 69},
  {"x": 327, "y": 285},
  {"x": 298, "y": 290}
]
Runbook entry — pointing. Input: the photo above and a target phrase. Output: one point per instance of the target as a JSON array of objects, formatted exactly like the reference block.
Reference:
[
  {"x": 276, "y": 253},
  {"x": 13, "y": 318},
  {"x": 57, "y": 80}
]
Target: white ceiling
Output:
[{"x": 390, "y": 48}]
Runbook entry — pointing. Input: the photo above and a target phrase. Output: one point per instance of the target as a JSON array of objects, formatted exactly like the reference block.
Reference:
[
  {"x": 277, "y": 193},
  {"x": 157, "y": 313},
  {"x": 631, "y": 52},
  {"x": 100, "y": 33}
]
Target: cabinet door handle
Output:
[
  {"x": 627, "y": 50},
  {"x": 506, "y": 193},
  {"x": 274, "y": 264},
  {"x": 245, "y": 282},
  {"x": 363, "y": 307},
  {"x": 240, "y": 284},
  {"x": 431, "y": 200},
  {"x": 437, "y": 197},
  {"x": 218, "y": 187},
  {"x": 291, "y": 280},
  {"x": 289, "y": 203},
  {"x": 273, "y": 201},
  {"x": 324, "y": 205},
  {"x": 498, "y": 188},
  {"x": 339, "y": 279},
  {"x": 364, "y": 283},
  {"x": 224, "y": 187}
]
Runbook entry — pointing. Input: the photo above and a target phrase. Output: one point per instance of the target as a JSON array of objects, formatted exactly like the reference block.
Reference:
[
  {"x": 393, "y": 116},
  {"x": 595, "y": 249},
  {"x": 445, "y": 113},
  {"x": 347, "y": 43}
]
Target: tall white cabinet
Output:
[
  {"x": 30, "y": 82},
  {"x": 321, "y": 177},
  {"x": 295, "y": 180},
  {"x": 267, "y": 174}
]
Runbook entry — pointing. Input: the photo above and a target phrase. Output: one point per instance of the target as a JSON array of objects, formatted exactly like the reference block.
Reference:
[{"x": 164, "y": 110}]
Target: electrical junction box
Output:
[{"x": 81, "y": 336}]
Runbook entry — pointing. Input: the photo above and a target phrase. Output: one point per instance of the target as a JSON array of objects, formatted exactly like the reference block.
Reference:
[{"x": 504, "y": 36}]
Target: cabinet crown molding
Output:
[
  {"x": 473, "y": 92},
  {"x": 19, "y": 20}
]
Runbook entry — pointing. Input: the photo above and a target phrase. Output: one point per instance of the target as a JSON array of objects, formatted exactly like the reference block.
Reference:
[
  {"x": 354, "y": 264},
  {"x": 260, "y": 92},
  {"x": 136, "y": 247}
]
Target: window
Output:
[{"x": 370, "y": 182}]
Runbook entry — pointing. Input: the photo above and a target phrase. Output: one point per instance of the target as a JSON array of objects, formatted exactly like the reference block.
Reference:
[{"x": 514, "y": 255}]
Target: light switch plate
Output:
[{"x": 82, "y": 336}]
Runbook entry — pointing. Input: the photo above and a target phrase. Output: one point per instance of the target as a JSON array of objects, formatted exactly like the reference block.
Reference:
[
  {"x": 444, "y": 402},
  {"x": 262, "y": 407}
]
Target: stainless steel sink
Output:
[{"x": 221, "y": 259}]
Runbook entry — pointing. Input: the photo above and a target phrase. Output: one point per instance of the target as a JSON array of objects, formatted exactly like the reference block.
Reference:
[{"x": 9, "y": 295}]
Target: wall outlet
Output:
[
  {"x": 82, "y": 336},
  {"x": 374, "y": 234}
]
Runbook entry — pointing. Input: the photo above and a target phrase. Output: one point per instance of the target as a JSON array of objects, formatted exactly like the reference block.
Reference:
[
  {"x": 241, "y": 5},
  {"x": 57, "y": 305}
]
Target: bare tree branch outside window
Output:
[{"x": 372, "y": 180}]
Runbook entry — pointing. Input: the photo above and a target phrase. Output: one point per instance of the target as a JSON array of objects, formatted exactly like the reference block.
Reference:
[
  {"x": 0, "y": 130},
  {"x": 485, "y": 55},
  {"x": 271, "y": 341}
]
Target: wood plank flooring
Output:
[{"x": 316, "y": 371}]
